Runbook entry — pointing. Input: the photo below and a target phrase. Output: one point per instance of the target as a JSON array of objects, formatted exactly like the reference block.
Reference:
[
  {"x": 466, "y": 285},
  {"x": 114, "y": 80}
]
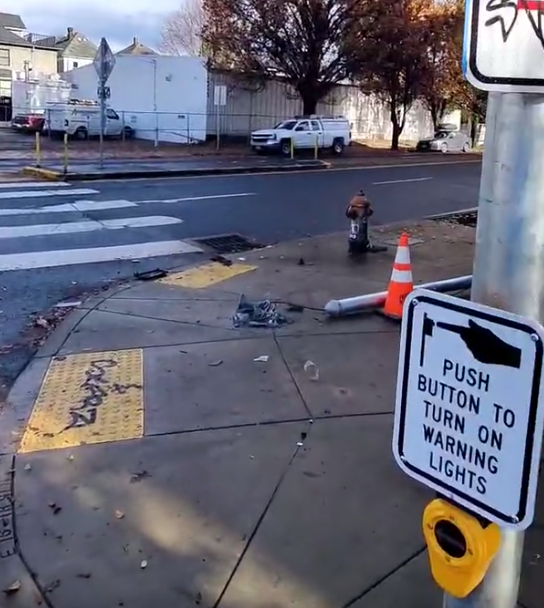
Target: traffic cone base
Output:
[{"x": 401, "y": 283}]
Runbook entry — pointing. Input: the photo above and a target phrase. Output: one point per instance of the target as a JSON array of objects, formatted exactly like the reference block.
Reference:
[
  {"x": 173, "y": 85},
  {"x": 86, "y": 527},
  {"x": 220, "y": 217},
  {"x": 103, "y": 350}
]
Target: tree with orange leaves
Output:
[
  {"x": 443, "y": 86},
  {"x": 389, "y": 54}
]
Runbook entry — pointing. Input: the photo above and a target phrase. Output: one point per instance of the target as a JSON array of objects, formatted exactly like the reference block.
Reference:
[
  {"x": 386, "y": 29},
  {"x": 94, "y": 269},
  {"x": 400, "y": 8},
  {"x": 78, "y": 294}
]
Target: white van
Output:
[
  {"x": 82, "y": 119},
  {"x": 304, "y": 132}
]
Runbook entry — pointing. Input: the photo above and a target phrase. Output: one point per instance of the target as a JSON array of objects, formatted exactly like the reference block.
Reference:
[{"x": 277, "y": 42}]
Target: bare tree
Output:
[
  {"x": 300, "y": 41},
  {"x": 182, "y": 30}
]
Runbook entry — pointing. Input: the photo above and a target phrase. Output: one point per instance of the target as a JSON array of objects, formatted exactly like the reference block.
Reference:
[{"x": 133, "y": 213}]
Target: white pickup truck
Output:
[{"x": 303, "y": 133}]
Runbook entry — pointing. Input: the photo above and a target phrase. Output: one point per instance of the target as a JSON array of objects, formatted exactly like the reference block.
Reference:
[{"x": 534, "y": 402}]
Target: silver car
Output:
[{"x": 445, "y": 141}]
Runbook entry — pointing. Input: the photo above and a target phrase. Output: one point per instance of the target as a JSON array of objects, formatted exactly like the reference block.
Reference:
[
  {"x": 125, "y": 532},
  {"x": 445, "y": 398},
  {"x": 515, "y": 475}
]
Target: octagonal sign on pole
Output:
[{"x": 504, "y": 45}]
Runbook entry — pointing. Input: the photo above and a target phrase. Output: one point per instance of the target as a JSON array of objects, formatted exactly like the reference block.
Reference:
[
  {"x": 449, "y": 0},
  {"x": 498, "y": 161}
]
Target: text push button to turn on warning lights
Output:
[{"x": 468, "y": 418}]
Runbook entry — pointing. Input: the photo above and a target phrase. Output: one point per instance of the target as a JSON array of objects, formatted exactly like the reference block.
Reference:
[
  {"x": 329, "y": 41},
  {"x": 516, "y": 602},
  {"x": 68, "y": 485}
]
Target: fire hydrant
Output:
[{"x": 358, "y": 212}]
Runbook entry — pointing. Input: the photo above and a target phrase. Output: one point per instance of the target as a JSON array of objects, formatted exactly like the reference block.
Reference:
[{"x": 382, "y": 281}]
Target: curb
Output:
[
  {"x": 60, "y": 176},
  {"x": 43, "y": 173}
]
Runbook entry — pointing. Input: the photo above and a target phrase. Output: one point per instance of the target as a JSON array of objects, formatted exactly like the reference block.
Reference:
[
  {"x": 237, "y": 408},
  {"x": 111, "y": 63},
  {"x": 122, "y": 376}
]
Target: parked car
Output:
[
  {"x": 445, "y": 140},
  {"x": 28, "y": 123},
  {"x": 304, "y": 133}
]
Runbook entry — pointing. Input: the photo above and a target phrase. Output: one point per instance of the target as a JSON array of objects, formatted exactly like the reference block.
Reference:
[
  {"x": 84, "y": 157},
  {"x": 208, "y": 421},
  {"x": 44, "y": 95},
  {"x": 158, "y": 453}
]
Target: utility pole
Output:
[
  {"x": 475, "y": 528},
  {"x": 104, "y": 62},
  {"x": 508, "y": 270}
]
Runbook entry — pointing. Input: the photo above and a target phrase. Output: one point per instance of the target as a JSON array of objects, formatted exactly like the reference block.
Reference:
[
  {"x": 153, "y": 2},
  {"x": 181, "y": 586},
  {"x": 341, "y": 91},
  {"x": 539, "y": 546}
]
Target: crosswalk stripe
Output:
[
  {"x": 69, "y": 257},
  {"x": 10, "y": 185},
  {"x": 43, "y": 193},
  {"x": 67, "y": 207},
  {"x": 10, "y": 232}
]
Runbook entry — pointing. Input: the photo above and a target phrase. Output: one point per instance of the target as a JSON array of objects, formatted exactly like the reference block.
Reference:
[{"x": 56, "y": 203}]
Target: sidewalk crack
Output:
[
  {"x": 385, "y": 577},
  {"x": 293, "y": 379},
  {"x": 258, "y": 524}
]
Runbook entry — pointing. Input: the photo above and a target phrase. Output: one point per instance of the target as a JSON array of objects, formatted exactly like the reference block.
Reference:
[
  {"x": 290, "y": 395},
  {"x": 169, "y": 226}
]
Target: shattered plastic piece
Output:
[
  {"x": 28, "y": 467},
  {"x": 143, "y": 565},
  {"x": 262, "y": 359},
  {"x": 312, "y": 370},
  {"x": 258, "y": 314},
  {"x": 13, "y": 588},
  {"x": 216, "y": 363}
]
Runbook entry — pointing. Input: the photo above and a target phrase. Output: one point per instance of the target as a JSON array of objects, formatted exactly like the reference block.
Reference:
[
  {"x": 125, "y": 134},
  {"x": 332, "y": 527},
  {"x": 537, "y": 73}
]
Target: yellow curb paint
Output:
[
  {"x": 206, "y": 275},
  {"x": 88, "y": 398},
  {"x": 39, "y": 172}
]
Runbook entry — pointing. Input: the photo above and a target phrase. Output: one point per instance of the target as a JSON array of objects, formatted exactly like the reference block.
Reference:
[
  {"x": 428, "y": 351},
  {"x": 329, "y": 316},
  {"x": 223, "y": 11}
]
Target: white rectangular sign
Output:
[
  {"x": 469, "y": 416},
  {"x": 504, "y": 45},
  {"x": 220, "y": 95}
]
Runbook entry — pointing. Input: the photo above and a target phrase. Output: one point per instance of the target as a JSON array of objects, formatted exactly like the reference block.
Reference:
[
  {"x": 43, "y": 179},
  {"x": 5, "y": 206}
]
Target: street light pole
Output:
[{"x": 509, "y": 271}]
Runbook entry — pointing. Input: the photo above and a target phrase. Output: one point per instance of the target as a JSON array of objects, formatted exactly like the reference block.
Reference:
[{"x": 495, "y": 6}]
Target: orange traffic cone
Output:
[{"x": 401, "y": 283}]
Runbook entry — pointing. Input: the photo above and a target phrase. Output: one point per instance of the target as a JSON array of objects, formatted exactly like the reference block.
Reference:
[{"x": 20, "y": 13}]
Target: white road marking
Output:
[
  {"x": 197, "y": 198},
  {"x": 42, "y": 193},
  {"x": 67, "y": 207},
  {"x": 10, "y": 232},
  {"x": 6, "y": 185},
  {"x": 403, "y": 181},
  {"x": 69, "y": 257}
]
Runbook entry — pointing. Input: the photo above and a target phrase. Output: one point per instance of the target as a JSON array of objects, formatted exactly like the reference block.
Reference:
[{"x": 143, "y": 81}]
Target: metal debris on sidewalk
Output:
[
  {"x": 151, "y": 275},
  {"x": 258, "y": 314}
]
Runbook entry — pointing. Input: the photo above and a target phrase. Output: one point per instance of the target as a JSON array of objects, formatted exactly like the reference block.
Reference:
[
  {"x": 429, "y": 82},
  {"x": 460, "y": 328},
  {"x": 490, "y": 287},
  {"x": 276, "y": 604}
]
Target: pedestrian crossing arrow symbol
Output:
[{"x": 469, "y": 415}]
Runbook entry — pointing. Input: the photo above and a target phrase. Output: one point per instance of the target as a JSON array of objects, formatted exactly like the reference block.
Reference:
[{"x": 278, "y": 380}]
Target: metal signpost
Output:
[
  {"x": 499, "y": 426},
  {"x": 104, "y": 62},
  {"x": 219, "y": 101}
]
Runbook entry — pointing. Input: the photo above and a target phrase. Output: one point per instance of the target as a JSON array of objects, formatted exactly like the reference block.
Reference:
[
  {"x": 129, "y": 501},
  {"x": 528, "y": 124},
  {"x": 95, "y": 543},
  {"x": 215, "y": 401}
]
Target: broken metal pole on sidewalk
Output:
[{"x": 372, "y": 301}]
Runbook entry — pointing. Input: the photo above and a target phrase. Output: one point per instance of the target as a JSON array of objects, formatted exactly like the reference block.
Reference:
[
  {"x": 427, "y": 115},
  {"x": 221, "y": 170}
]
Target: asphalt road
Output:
[{"x": 57, "y": 242}]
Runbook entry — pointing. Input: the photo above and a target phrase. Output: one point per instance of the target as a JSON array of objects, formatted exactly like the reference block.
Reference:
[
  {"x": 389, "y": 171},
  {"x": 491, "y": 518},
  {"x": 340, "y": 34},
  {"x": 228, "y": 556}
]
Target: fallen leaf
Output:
[
  {"x": 28, "y": 467},
  {"x": 13, "y": 588},
  {"x": 216, "y": 363},
  {"x": 262, "y": 359},
  {"x": 143, "y": 565},
  {"x": 119, "y": 514},
  {"x": 84, "y": 575},
  {"x": 55, "y": 508}
]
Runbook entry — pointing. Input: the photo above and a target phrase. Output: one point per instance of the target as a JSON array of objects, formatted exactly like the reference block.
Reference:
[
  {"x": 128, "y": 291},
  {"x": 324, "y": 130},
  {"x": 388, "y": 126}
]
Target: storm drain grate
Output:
[
  {"x": 464, "y": 219},
  {"x": 229, "y": 243}
]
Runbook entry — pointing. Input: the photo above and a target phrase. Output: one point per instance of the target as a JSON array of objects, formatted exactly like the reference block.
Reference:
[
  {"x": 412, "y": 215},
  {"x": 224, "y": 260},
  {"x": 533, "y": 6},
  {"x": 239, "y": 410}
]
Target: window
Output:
[
  {"x": 111, "y": 114},
  {"x": 303, "y": 126},
  {"x": 4, "y": 57},
  {"x": 75, "y": 64},
  {"x": 316, "y": 126},
  {"x": 286, "y": 124}
]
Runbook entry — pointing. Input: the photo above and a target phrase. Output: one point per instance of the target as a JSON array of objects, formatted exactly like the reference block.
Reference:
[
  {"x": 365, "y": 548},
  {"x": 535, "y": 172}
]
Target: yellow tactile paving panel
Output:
[
  {"x": 206, "y": 275},
  {"x": 88, "y": 398}
]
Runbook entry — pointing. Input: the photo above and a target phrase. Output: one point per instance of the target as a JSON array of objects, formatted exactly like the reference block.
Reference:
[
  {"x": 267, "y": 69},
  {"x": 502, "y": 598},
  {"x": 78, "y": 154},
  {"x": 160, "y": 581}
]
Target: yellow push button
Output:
[{"x": 460, "y": 548}]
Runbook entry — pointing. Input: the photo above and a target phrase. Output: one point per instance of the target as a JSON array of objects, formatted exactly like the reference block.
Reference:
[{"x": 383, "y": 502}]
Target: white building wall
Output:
[
  {"x": 159, "y": 97},
  {"x": 251, "y": 107},
  {"x": 70, "y": 63}
]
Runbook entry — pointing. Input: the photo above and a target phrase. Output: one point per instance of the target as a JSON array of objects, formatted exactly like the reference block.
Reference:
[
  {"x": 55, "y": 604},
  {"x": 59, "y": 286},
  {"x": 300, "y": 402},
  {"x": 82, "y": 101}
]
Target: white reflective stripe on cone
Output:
[
  {"x": 403, "y": 255},
  {"x": 401, "y": 276}
]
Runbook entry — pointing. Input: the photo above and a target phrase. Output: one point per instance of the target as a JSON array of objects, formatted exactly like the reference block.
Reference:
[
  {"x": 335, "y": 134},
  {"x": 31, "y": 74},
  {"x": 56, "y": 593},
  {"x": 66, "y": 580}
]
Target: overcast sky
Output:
[{"x": 118, "y": 20}]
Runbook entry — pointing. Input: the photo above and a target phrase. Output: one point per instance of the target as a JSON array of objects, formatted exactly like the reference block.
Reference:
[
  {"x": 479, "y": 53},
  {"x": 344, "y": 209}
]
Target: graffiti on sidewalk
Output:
[{"x": 97, "y": 386}]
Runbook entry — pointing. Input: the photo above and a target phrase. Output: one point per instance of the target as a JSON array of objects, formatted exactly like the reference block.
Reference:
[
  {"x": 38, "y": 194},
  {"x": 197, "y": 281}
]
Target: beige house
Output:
[{"x": 19, "y": 58}]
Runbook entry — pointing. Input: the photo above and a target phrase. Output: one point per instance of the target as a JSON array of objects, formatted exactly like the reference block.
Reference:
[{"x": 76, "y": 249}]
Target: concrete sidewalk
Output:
[{"x": 156, "y": 455}]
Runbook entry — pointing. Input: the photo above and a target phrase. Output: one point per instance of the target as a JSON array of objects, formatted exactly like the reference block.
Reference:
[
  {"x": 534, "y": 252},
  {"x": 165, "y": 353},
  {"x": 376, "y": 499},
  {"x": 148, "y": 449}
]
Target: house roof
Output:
[
  {"x": 11, "y": 39},
  {"x": 75, "y": 44},
  {"x": 12, "y": 21},
  {"x": 137, "y": 48}
]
